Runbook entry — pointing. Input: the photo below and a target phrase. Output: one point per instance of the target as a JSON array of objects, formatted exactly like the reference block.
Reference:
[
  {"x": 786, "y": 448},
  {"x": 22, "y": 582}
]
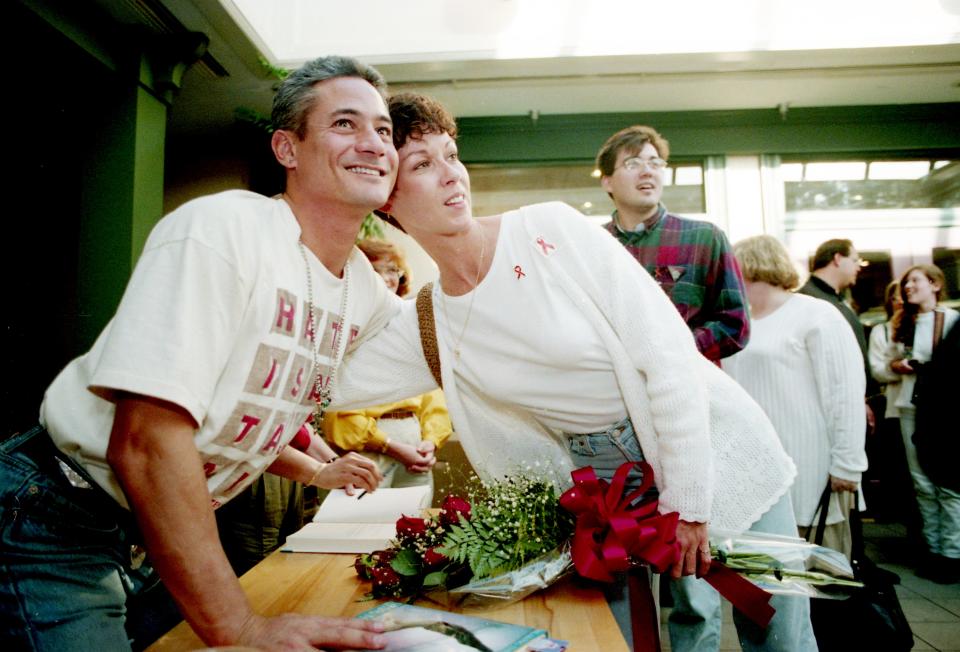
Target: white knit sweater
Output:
[
  {"x": 804, "y": 367},
  {"x": 714, "y": 453}
]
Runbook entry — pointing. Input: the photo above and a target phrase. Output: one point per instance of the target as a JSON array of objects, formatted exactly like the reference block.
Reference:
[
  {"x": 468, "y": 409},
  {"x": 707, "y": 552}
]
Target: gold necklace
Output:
[
  {"x": 322, "y": 391},
  {"x": 473, "y": 296}
]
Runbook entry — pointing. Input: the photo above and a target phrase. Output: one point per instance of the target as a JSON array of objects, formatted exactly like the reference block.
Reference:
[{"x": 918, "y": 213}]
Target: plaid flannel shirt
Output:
[{"x": 693, "y": 263}]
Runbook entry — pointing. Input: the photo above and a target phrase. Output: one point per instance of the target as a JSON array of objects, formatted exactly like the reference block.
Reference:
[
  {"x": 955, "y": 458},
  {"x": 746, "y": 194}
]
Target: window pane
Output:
[
  {"x": 891, "y": 184},
  {"x": 836, "y": 171},
  {"x": 898, "y": 169},
  {"x": 497, "y": 189}
]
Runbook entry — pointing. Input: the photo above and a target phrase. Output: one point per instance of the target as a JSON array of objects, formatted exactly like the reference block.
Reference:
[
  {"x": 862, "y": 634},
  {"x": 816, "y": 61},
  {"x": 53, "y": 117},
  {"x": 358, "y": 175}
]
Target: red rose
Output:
[
  {"x": 409, "y": 527},
  {"x": 432, "y": 558},
  {"x": 452, "y": 508},
  {"x": 363, "y": 564},
  {"x": 385, "y": 578}
]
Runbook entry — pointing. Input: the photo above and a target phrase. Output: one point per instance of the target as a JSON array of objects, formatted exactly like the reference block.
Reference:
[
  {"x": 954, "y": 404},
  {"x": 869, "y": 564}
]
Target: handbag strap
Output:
[
  {"x": 428, "y": 331},
  {"x": 822, "y": 510},
  {"x": 938, "y": 319}
]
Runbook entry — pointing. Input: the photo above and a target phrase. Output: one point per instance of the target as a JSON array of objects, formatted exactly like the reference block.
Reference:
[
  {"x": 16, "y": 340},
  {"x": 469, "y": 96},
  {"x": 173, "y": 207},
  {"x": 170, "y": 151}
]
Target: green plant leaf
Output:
[
  {"x": 437, "y": 578},
  {"x": 406, "y": 563}
]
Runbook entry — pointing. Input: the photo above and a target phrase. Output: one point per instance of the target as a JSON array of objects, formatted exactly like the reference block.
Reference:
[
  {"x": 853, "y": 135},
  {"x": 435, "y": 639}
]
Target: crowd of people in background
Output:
[{"x": 652, "y": 338}]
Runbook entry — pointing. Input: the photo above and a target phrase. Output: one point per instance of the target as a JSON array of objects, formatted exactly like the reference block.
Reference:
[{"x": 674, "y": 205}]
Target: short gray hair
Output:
[{"x": 295, "y": 95}]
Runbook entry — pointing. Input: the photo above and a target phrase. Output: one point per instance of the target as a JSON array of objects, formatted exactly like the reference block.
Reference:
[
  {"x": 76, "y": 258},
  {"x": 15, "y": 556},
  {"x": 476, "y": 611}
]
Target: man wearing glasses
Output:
[
  {"x": 835, "y": 267},
  {"x": 690, "y": 259},
  {"x": 693, "y": 263}
]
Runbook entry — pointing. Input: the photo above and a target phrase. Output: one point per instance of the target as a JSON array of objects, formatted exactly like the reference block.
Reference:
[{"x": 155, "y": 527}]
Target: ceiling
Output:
[{"x": 629, "y": 78}]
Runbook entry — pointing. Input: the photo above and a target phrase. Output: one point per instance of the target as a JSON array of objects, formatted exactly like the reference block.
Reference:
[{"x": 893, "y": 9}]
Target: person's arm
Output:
[
  {"x": 387, "y": 367},
  {"x": 838, "y": 373},
  {"x": 725, "y": 325},
  {"x": 435, "y": 426},
  {"x": 879, "y": 355},
  {"x": 662, "y": 350},
  {"x": 358, "y": 430},
  {"x": 152, "y": 452},
  {"x": 348, "y": 471}
]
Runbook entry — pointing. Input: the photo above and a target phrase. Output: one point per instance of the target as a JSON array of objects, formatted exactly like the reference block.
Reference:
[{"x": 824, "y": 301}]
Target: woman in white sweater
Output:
[
  {"x": 556, "y": 346},
  {"x": 804, "y": 367},
  {"x": 917, "y": 327}
]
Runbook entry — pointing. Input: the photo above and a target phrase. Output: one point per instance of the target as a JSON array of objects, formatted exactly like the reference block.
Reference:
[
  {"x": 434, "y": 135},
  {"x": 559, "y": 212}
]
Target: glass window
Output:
[
  {"x": 496, "y": 189},
  {"x": 846, "y": 185}
]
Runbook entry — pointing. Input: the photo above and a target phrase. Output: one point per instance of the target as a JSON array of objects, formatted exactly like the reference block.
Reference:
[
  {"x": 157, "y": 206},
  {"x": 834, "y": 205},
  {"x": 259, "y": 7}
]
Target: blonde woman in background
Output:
[
  {"x": 916, "y": 325},
  {"x": 401, "y": 437},
  {"x": 803, "y": 366}
]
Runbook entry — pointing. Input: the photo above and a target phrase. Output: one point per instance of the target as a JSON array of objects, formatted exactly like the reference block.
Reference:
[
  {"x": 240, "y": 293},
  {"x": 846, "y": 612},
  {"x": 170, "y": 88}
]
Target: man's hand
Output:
[
  {"x": 694, "y": 550},
  {"x": 296, "y": 632},
  {"x": 839, "y": 484}
]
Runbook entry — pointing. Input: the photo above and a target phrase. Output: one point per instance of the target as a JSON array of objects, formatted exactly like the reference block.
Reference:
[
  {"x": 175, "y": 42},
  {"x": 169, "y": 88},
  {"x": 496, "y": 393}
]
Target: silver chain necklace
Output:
[{"x": 322, "y": 391}]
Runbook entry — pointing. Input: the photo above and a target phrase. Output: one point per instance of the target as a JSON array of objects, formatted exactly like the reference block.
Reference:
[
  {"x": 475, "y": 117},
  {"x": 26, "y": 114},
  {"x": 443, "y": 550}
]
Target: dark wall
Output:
[{"x": 50, "y": 137}]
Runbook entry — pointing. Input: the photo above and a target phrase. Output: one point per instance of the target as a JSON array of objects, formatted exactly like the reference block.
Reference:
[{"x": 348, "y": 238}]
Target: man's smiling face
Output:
[{"x": 347, "y": 152}]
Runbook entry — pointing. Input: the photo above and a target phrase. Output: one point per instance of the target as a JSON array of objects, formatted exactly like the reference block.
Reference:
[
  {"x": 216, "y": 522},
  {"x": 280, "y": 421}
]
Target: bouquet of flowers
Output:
[
  {"x": 505, "y": 540},
  {"x": 785, "y": 565}
]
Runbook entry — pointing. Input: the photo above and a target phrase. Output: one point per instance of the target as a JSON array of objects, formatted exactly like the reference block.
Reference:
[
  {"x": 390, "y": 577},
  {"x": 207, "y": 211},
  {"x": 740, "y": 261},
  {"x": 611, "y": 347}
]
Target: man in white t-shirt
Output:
[{"x": 229, "y": 333}]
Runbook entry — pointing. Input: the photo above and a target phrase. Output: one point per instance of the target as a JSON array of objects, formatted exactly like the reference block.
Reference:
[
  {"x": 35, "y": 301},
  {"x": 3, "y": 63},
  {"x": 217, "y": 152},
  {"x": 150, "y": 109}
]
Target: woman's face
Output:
[
  {"x": 920, "y": 290},
  {"x": 389, "y": 272},
  {"x": 432, "y": 195}
]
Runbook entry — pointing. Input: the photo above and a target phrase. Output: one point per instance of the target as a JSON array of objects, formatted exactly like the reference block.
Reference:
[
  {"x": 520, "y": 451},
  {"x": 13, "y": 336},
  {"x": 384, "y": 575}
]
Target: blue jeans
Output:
[
  {"x": 605, "y": 452},
  {"x": 694, "y": 622},
  {"x": 66, "y": 563}
]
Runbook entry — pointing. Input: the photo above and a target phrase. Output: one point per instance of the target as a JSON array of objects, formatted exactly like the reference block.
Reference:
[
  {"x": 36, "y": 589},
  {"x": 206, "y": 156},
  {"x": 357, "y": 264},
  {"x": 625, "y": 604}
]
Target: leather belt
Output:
[{"x": 398, "y": 414}]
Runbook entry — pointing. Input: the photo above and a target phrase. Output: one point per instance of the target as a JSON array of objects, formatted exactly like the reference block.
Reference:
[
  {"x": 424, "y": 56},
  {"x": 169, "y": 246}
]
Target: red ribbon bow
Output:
[{"x": 610, "y": 535}]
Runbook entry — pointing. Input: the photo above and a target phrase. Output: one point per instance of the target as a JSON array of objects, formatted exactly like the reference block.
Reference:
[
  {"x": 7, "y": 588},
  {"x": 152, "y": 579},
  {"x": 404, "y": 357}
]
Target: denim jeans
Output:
[
  {"x": 66, "y": 563},
  {"x": 605, "y": 452},
  {"x": 694, "y": 622}
]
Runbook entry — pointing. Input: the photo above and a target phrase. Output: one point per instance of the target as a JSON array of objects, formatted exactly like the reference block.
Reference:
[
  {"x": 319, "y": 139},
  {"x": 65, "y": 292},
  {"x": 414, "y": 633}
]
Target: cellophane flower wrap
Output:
[
  {"x": 503, "y": 541},
  {"x": 785, "y": 565}
]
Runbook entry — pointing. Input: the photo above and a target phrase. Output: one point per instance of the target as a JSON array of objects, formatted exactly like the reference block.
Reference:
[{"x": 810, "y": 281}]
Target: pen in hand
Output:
[{"x": 361, "y": 494}]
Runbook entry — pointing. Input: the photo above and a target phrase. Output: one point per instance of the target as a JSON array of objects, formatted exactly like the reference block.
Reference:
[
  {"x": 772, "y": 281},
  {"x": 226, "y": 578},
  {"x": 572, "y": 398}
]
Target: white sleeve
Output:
[
  {"x": 175, "y": 327},
  {"x": 879, "y": 354},
  {"x": 387, "y": 367},
  {"x": 663, "y": 351},
  {"x": 838, "y": 373}
]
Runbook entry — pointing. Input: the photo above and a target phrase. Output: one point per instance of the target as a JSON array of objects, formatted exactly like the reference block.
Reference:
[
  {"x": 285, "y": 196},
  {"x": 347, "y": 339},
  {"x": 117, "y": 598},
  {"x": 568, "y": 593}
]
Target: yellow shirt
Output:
[{"x": 356, "y": 430}]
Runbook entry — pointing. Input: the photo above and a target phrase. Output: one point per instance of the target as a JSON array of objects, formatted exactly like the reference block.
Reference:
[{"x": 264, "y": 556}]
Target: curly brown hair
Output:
[{"x": 414, "y": 115}]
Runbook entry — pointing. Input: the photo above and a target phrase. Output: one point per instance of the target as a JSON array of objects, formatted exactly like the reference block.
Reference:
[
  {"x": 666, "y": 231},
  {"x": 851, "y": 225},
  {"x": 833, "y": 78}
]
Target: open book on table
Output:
[
  {"x": 359, "y": 523},
  {"x": 418, "y": 629}
]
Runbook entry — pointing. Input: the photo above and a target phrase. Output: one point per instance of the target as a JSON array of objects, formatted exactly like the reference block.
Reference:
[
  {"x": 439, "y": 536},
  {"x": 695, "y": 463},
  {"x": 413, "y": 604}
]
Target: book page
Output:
[
  {"x": 340, "y": 537},
  {"x": 381, "y": 506}
]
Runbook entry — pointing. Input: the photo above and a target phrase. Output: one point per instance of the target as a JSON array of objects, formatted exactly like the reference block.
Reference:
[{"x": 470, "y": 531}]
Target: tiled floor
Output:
[{"x": 932, "y": 609}]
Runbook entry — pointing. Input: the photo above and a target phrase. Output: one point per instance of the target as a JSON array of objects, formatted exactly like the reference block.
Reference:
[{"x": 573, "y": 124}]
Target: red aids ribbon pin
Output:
[
  {"x": 546, "y": 246},
  {"x": 519, "y": 272}
]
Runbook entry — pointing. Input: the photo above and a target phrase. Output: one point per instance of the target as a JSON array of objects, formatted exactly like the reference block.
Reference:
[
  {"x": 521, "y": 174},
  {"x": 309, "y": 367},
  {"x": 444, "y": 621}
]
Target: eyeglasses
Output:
[
  {"x": 858, "y": 261},
  {"x": 634, "y": 163}
]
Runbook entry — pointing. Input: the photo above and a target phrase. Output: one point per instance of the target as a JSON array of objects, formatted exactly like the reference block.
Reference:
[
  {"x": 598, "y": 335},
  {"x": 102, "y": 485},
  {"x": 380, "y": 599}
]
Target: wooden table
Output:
[{"x": 327, "y": 585}]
